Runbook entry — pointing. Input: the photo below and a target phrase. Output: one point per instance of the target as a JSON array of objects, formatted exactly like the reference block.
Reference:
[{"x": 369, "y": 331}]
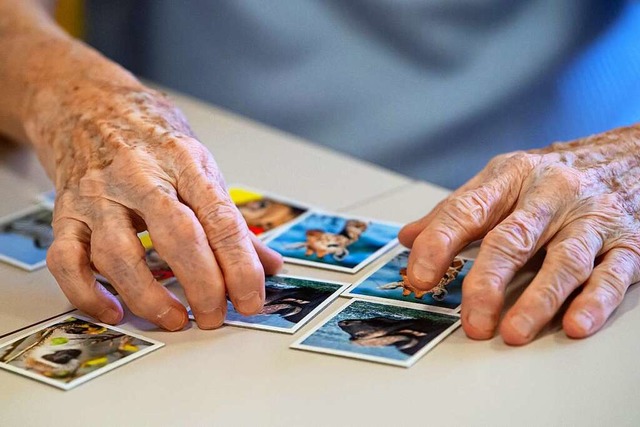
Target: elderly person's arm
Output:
[
  {"x": 123, "y": 159},
  {"x": 579, "y": 200}
]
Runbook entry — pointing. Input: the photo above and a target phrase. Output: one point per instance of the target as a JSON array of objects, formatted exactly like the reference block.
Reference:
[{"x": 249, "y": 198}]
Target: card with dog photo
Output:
[
  {"x": 335, "y": 242},
  {"x": 70, "y": 351},
  {"x": 265, "y": 212},
  {"x": 25, "y": 238},
  {"x": 381, "y": 333},
  {"x": 290, "y": 303},
  {"x": 389, "y": 283}
]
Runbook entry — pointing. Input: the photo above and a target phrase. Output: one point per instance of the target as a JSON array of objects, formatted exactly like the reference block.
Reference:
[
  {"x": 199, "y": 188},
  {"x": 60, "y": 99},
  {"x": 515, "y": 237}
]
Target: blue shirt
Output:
[{"x": 430, "y": 88}]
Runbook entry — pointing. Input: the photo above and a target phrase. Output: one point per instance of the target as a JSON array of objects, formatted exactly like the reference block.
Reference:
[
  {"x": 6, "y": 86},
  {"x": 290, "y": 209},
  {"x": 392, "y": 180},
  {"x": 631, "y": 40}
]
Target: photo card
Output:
[
  {"x": 334, "y": 241},
  {"x": 290, "y": 303},
  {"x": 265, "y": 212},
  {"x": 389, "y": 284},
  {"x": 72, "y": 350},
  {"x": 25, "y": 237},
  {"x": 47, "y": 198},
  {"x": 381, "y": 333}
]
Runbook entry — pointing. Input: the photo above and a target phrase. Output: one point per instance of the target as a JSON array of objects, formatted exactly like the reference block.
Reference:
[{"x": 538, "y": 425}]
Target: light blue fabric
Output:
[{"x": 430, "y": 88}]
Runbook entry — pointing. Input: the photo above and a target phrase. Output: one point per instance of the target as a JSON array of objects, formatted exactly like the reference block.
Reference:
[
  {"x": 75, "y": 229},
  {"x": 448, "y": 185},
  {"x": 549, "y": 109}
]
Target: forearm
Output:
[{"x": 41, "y": 68}]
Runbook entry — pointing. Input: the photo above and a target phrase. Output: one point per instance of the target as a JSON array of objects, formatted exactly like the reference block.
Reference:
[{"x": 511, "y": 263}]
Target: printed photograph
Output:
[
  {"x": 264, "y": 213},
  {"x": 379, "y": 332},
  {"x": 334, "y": 242},
  {"x": 390, "y": 282},
  {"x": 48, "y": 199},
  {"x": 71, "y": 351},
  {"x": 26, "y": 237},
  {"x": 290, "y": 303}
]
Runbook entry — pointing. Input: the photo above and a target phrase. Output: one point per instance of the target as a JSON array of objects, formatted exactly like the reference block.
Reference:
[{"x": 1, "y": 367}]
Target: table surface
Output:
[{"x": 236, "y": 376}]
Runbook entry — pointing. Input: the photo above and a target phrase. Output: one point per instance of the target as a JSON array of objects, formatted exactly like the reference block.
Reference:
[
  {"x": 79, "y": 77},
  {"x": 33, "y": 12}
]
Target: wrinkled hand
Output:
[
  {"x": 125, "y": 160},
  {"x": 580, "y": 201}
]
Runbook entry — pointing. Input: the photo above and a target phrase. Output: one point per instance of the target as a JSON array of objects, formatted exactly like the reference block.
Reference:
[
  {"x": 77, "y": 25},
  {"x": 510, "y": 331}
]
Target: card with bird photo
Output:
[
  {"x": 377, "y": 332},
  {"x": 265, "y": 212},
  {"x": 335, "y": 242},
  {"x": 389, "y": 283},
  {"x": 290, "y": 303},
  {"x": 25, "y": 237},
  {"x": 72, "y": 350}
]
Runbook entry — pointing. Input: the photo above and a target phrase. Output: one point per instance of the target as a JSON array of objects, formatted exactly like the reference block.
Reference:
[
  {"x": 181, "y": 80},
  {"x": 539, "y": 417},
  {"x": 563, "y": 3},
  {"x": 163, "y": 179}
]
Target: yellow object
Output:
[
  {"x": 70, "y": 16},
  {"x": 241, "y": 196},
  {"x": 98, "y": 361},
  {"x": 145, "y": 239}
]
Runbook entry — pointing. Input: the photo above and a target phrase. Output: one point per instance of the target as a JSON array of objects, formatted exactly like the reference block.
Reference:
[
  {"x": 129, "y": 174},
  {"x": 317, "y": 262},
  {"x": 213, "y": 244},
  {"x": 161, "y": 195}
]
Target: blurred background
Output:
[{"x": 430, "y": 88}]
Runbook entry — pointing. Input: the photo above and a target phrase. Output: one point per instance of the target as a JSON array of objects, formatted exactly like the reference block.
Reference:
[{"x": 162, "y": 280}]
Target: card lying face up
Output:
[
  {"x": 334, "y": 242},
  {"x": 290, "y": 302},
  {"x": 25, "y": 238},
  {"x": 389, "y": 284},
  {"x": 70, "y": 351},
  {"x": 265, "y": 212},
  {"x": 380, "y": 333}
]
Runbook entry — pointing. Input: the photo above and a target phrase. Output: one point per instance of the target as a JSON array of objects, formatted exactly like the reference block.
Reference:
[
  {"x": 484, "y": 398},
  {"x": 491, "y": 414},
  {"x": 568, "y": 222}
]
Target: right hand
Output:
[{"x": 124, "y": 159}]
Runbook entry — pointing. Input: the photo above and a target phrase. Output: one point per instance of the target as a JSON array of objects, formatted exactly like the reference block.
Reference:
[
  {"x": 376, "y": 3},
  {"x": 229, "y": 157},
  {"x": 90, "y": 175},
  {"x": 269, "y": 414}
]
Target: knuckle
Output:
[
  {"x": 223, "y": 225},
  {"x": 611, "y": 290},
  {"x": 551, "y": 296},
  {"x": 515, "y": 239},
  {"x": 574, "y": 259},
  {"x": 470, "y": 210}
]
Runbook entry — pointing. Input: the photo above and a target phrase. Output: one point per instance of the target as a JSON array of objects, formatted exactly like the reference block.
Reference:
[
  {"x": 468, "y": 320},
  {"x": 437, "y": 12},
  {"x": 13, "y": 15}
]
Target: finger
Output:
[
  {"x": 119, "y": 255},
  {"x": 228, "y": 236},
  {"x": 460, "y": 221},
  {"x": 602, "y": 293},
  {"x": 69, "y": 262},
  {"x": 567, "y": 265},
  {"x": 410, "y": 231},
  {"x": 181, "y": 242},
  {"x": 270, "y": 259},
  {"x": 504, "y": 250}
]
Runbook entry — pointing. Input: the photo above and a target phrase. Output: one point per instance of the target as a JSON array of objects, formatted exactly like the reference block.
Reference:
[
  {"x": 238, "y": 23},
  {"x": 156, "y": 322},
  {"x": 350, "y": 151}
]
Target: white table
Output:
[{"x": 236, "y": 376}]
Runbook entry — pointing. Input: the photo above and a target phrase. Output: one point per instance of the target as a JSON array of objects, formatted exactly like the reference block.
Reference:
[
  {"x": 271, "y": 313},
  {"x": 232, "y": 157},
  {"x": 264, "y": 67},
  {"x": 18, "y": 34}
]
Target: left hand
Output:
[{"x": 578, "y": 200}]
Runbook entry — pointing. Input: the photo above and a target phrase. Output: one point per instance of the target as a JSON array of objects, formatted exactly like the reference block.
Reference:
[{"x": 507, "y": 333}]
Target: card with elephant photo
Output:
[
  {"x": 25, "y": 237},
  {"x": 72, "y": 350},
  {"x": 290, "y": 303},
  {"x": 265, "y": 212},
  {"x": 334, "y": 241},
  {"x": 377, "y": 332},
  {"x": 389, "y": 284}
]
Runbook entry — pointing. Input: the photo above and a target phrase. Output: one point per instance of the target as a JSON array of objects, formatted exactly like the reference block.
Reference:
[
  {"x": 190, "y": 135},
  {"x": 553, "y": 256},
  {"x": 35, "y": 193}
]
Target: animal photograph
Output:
[
  {"x": 379, "y": 332},
  {"x": 390, "y": 282},
  {"x": 334, "y": 242},
  {"x": 70, "y": 350},
  {"x": 289, "y": 303},
  {"x": 24, "y": 240}
]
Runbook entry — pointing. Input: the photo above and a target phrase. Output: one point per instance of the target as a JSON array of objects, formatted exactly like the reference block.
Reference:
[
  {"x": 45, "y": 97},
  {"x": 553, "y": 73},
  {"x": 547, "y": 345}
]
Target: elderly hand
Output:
[
  {"x": 579, "y": 200},
  {"x": 123, "y": 159}
]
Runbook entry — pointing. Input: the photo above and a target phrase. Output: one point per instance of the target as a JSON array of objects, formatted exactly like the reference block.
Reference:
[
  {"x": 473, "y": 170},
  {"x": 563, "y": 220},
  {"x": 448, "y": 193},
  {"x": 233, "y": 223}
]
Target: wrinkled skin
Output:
[
  {"x": 580, "y": 201},
  {"x": 123, "y": 159}
]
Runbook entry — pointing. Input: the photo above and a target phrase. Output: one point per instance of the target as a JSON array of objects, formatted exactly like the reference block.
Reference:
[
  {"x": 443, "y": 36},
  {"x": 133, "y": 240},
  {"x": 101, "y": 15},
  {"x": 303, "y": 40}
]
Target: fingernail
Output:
[
  {"x": 210, "y": 319},
  {"x": 522, "y": 324},
  {"x": 423, "y": 271},
  {"x": 585, "y": 321},
  {"x": 481, "y": 321},
  {"x": 172, "y": 319},
  {"x": 250, "y": 303},
  {"x": 110, "y": 316}
]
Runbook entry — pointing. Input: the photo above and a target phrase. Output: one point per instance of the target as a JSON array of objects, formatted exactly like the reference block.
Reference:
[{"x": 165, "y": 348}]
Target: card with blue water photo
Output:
[
  {"x": 290, "y": 303},
  {"x": 334, "y": 242},
  {"x": 389, "y": 284},
  {"x": 378, "y": 332},
  {"x": 25, "y": 237}
]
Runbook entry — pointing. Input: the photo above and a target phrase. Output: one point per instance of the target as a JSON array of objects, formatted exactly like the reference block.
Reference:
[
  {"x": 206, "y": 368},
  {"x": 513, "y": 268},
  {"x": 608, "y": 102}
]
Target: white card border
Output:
[
  {"x": 353, "y": 270},
  {"x": 297, "y": 345},
  {"x": 12, "y": 217},
  {"x": 74, "y": 383},
  {"x": 405, "y": 304}
]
